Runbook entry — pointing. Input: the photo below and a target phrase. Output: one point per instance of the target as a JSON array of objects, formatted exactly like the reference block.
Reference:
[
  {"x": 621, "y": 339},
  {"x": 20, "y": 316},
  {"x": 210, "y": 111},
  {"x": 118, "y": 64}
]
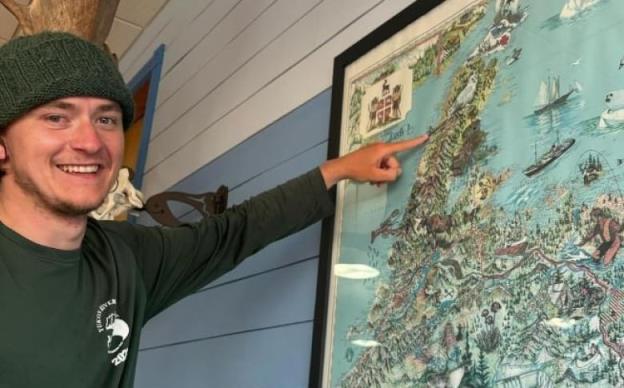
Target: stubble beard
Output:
[{"x": 58, "y": 207}]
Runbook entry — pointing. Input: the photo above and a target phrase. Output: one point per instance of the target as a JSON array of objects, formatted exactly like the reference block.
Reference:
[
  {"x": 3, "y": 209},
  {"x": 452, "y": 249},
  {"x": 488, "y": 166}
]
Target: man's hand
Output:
[{"x": 374, "y": 163}]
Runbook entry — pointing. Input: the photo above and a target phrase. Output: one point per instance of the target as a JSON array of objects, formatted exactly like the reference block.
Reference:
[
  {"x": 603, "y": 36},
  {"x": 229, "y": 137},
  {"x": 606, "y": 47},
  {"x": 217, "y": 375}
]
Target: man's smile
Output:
[{"x": 79, "y": 168}]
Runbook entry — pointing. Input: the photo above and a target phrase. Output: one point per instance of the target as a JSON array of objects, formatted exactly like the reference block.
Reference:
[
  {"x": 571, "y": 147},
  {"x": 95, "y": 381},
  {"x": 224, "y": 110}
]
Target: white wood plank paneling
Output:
[
  {"x": 209, "y": 33},
  {"x": 167, "y": 24},
  {"x": 201, "y": 104},
  {"x": 121, "y": 36},
  {"x": 214, "y": 64}
]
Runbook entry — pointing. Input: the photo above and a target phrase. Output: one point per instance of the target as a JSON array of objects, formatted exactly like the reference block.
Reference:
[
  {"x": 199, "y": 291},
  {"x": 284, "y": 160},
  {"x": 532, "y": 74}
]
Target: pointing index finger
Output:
[{"x": 407, "y": 144}]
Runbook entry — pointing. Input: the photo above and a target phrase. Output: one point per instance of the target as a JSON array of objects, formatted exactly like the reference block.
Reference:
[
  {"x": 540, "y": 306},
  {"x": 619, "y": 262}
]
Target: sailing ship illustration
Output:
[
  {"x": 549, "y": 96},
  {"x": 591, "y": 169},
  {"x": 557, "y": 149}
]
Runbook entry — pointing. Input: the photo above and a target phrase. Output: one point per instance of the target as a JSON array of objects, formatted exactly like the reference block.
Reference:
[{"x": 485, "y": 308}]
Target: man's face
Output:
[{"x": 63, "y": 156}]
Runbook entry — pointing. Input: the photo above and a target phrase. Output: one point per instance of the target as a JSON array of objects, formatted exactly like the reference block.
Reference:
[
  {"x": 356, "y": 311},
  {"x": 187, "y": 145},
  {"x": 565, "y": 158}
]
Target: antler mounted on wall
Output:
[{"x": 89, "y": 19}]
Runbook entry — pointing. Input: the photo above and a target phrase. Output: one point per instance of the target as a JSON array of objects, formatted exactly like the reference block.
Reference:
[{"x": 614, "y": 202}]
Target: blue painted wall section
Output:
[{"x": 252, "y": 327}]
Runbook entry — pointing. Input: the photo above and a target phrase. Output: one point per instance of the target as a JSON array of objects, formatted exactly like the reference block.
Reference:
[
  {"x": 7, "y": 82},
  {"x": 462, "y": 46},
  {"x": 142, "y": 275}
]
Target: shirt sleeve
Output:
[{"x": 175, "y": 262}]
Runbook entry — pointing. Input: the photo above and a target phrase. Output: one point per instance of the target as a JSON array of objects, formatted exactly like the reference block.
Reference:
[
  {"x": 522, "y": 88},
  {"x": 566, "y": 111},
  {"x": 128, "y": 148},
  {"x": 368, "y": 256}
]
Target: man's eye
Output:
[
  {"x": 55, "y": 118},
  {"x": 108, "y": 120}
]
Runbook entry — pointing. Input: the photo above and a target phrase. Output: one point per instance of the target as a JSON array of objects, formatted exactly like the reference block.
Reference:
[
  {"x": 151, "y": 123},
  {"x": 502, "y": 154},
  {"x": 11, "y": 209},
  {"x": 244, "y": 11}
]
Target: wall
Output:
[
  {"x": 253, "y": 326},
  {"x": 243, "y": 101}
]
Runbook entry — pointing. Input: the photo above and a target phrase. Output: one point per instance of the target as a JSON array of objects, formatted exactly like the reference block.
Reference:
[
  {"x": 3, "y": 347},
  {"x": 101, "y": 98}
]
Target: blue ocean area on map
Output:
[{"x": 498, "y": 249}]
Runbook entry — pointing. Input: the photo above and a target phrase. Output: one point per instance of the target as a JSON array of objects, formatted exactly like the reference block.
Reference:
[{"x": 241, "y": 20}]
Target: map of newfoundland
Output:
[{"x": 495, "y": 260}]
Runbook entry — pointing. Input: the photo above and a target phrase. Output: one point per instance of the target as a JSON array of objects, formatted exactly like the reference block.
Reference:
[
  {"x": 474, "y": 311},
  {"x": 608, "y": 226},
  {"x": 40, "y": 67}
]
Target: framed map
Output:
[{"x": 495, "y": 260}]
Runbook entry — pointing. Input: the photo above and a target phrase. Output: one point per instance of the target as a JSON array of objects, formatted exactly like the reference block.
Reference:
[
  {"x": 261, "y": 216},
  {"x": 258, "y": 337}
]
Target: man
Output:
[
  {"x": 608, "y": 229},
  {"x": 75, "y": 292}
]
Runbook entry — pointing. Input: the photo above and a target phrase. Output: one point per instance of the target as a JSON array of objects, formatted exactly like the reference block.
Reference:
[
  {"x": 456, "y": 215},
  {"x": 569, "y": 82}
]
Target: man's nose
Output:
[{"x": 86, "y": 137}]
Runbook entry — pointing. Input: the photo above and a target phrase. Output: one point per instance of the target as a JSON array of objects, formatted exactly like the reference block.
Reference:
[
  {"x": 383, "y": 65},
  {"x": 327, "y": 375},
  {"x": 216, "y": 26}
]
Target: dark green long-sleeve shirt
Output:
[{"x": 73, "y": 318}]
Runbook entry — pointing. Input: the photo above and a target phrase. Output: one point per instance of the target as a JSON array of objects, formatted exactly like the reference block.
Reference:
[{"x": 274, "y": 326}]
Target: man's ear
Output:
[{"x": 3, "y": 151}]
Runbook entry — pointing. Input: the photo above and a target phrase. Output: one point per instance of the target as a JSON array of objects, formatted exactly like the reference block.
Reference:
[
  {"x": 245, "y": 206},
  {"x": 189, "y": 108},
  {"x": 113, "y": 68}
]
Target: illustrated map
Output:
[{"x": 495, "y": 260}]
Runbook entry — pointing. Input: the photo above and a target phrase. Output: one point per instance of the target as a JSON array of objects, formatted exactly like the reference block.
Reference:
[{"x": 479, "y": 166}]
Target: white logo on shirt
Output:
[{"x": 117, "y": 330}]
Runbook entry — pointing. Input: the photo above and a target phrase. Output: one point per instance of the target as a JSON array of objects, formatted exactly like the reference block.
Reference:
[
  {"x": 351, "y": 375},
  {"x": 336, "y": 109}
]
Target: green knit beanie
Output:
[{"x": 37, "y": 69}]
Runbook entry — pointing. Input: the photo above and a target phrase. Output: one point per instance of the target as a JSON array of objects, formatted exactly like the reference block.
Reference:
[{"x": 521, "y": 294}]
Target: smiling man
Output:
[
  {"x": 59, "y": 159},
  {"x": 75, "y": 292}
]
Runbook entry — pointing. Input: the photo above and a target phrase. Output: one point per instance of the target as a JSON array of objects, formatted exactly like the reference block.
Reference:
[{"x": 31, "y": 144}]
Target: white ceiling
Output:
[{"x": 132, "y": 16}]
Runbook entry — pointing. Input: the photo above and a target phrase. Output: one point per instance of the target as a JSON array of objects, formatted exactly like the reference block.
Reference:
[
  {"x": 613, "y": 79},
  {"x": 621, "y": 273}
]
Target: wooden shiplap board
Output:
[
  {"x": 293, "y": 167},
  {"x": 271, "y": 358},
  {"x": 121, "y": 36},
  {"x": 165, "y": 27},
  {"x": 294, "y": 249},
  {"x": 206, "y": 37},
  {"x": 273, "y": 298},
  {"x": 224, "y": 50}
]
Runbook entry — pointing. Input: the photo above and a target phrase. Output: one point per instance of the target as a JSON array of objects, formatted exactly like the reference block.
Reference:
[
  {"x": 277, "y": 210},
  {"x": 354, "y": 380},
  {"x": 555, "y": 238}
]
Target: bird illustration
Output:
[
  {"x": 577, "y": 62},
  {"x": 621, "y": 63},
  {"x": 466, "y": 95}
]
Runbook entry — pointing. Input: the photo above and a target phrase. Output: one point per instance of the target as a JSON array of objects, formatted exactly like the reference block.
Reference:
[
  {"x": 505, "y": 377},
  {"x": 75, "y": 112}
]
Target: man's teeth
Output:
[{"x": 80, "y": 169}]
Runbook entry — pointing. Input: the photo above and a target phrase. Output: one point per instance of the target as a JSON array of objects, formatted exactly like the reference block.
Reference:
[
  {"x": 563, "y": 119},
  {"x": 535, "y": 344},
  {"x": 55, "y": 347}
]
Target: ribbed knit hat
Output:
[{"x": 37, "y": 69}]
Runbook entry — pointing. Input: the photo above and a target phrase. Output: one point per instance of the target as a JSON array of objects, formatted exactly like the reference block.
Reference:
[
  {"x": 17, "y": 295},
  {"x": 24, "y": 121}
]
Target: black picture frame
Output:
[{"x": 384, "y": 32}]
